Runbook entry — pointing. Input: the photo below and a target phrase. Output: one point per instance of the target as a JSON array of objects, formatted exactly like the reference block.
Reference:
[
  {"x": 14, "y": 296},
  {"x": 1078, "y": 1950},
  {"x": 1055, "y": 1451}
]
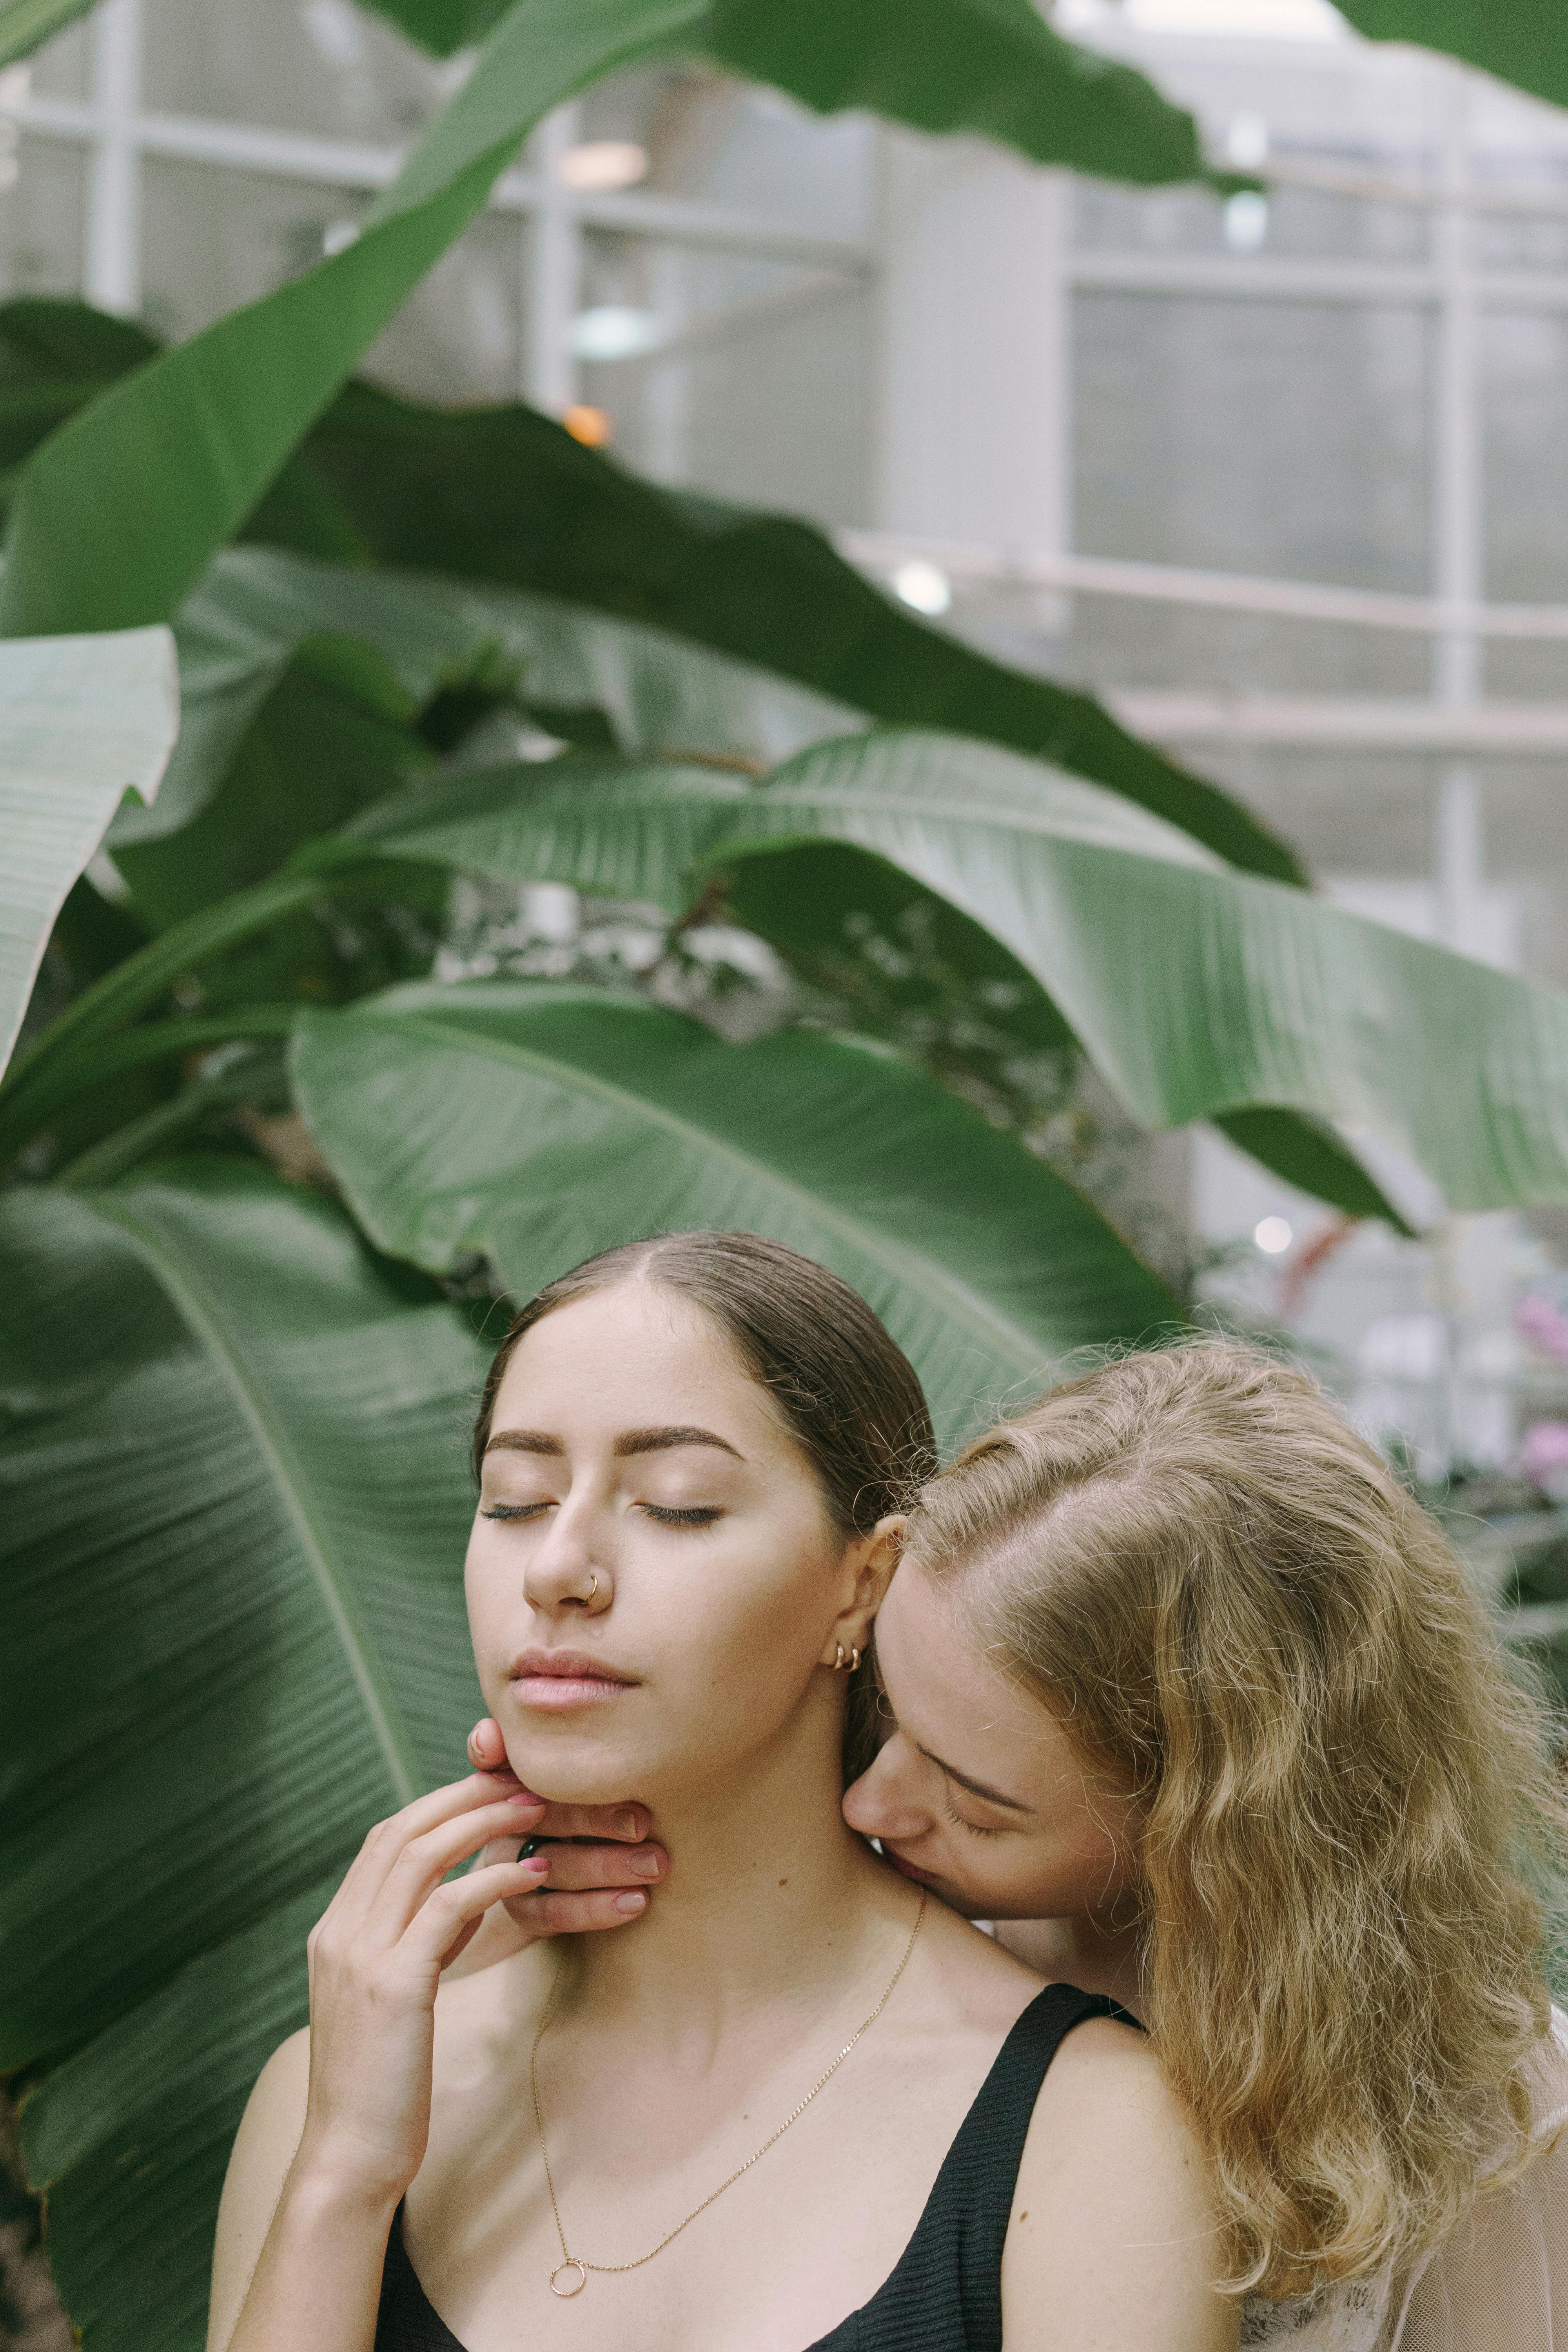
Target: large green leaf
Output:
[
  {"x": 1194, "y": 991},
  {"x": 130, "y": 2137},
  {"x": 541, "y": 1123},
  {"x": 235, "y": 1499},
  {"x": 990, "y": 66},
  {"x": 504, "y": 494},
  {"x": 1523, "y": 41},
  {"x": 121, "y": 510},
  {"x": 233, "y": 1450},
  {"x": 82, "y": 720},
  {"x": 26, "y": 24},
  {"x": 913, "y": 969},
  {"x": 398, "y": 639}
]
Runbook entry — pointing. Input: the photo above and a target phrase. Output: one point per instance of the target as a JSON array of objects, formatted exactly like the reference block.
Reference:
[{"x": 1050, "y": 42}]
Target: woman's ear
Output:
[{"x": 873, "y": 1559}]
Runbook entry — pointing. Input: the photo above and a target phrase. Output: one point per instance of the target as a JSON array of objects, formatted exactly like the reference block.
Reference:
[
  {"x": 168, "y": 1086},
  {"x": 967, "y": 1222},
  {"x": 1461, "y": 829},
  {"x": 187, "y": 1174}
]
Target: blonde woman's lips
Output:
[
  {"x": 557, "y": 1681},
  {"x": 921, "y": 1877}
]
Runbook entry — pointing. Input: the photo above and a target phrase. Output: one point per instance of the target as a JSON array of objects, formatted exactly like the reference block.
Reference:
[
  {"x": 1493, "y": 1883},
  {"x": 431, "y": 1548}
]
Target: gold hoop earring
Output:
[
  {"x": 838, "y": 1658},
  {"x": 854, "y": 1662}
]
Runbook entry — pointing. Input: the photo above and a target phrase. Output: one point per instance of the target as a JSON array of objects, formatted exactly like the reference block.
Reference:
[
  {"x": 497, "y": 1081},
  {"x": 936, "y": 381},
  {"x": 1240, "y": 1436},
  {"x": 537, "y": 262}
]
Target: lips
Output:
[
  {"x": 921, "y": 1877},
  {"x": 558, "y": 1680}
]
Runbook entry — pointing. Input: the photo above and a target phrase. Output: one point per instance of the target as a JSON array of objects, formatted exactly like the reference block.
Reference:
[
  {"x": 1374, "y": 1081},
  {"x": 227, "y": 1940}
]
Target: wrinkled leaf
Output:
[
  {"x": 120, "y": 512},
  {"x": 82, "y": 720},
  {"x": 543, "y": 1123},
  {"x": 504, "y": 494},
  {"x": 1523, "y": 41},
  {"x": 1194, "y": 991},
  {"x": 417, "y": 636}
]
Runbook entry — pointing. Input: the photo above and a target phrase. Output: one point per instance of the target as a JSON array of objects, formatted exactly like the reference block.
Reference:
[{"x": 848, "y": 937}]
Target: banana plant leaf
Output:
[
  {"x": 119, "y": 513},
  {"x": 918, "y": 971},
  {"x": 395, "y": 640},
  {"x": 240, "y": 1464},
  {"x": 504, "y": 494},
  {"x": 1194, "y": 991},
  {"x": 1523, "y": 41},
  {"x": 82, "y": 720},
  {"x": 540, "y": 1123}
]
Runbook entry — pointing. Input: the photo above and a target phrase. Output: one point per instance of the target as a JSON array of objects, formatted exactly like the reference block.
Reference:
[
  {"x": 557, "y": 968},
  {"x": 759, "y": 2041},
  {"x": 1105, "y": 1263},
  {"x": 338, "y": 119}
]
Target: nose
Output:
[
  {"x": 569, "y": 1573},
  {"x": 884, "y": 1802}
]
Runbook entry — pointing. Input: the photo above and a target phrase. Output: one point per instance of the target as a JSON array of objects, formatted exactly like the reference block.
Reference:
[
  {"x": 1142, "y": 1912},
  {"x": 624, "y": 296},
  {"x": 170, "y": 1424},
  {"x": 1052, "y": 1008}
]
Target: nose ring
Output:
[{"x": 592, "y": 1586}]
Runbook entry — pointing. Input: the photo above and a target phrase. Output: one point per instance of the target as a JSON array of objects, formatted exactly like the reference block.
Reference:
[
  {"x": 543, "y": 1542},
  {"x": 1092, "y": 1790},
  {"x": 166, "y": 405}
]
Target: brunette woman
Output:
[{"x": 797, "y": 2102}]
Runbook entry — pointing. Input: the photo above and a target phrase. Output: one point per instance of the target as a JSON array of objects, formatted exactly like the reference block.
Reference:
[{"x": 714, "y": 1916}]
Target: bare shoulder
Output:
[
  {"x": 1112, "y": 2231},
  {"x": 263, "y": 2151},
  {"x": 972, "y": 1976}
]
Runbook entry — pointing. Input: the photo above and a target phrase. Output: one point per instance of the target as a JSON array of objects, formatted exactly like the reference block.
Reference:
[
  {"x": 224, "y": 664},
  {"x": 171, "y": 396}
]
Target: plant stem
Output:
[{"x": 103, "y": 1162}]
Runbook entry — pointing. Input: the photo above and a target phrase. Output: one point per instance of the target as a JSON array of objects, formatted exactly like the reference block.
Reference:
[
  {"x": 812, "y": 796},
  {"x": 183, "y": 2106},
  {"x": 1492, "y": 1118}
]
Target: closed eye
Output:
[
  {"x": 976, "y": 1829},
  {"x": 511, "y": 1510},
  {"x": 700, "y": 1515}
]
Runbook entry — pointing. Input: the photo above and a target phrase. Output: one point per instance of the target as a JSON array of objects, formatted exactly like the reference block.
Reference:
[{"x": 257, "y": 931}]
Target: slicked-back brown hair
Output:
[
  {"x": 1233, "y": 1606},
  {"x": 849, "y": 1395}
]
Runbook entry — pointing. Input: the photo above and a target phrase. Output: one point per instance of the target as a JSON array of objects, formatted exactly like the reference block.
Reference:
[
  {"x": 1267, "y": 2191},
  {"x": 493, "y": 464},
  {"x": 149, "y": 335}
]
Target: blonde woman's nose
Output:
[{"x": 882, "y": 1803}]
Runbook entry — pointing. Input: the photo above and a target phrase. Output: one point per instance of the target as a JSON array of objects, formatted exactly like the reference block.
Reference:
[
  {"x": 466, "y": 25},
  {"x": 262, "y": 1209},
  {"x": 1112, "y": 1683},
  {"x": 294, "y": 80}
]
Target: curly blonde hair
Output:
[{"x": 1236, "y": 1609}]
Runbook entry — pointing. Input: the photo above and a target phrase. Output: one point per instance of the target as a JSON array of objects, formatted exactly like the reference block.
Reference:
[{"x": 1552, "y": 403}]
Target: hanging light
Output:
[
  {"x": 591, "y": 426},
  {"x": 1273, "y": 1236},
  {"x": 599, "y": 166},
  {"x": 614, "y": 330},
  {"x": 924, "y": 585}
]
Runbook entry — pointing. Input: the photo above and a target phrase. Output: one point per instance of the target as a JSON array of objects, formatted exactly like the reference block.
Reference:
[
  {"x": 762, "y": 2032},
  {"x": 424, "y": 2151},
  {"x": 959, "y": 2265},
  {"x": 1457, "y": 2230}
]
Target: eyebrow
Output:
[
  {"x": 660, "y": 1441},
  {"x": 631, "y": 1441},
  {"x": 976, "y": 1788}
]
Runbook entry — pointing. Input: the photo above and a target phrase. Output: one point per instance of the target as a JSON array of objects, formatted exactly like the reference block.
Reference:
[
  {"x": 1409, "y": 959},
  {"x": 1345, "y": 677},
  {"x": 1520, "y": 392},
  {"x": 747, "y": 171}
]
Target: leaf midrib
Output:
[
  {"x": 971, "y": 1308},
  {"x": 636, "y": 799},
  {"x": 203, "y": 1317}
]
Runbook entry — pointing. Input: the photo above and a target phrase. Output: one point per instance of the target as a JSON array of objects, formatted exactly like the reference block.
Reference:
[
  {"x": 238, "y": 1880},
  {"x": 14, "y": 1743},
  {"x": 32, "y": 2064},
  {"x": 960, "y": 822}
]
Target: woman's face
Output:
[
  {"x": 653, "y": 1572},
  {"x": 977, "y": 1791}
]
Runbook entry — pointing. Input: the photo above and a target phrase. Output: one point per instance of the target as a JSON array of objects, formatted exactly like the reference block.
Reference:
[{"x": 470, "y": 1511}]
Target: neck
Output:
[
  {"x": 1099, "y": 1951},
  {"x": 769, "y": 1897}
]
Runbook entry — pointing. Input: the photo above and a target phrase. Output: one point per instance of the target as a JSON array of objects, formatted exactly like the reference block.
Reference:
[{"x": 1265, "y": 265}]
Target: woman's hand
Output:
[
  {"x": 376, "y": 1957},
  {"x": 595, "y": 1853}
]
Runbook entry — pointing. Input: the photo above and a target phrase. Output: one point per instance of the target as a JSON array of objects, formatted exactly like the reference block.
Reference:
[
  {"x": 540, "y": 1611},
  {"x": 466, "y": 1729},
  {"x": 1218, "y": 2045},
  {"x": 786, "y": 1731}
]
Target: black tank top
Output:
[{"x": 944, "y": 2294}]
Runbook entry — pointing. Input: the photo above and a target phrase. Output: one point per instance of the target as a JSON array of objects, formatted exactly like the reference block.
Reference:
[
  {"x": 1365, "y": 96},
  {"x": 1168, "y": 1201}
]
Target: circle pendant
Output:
[{"x": 576, "y": 2284}]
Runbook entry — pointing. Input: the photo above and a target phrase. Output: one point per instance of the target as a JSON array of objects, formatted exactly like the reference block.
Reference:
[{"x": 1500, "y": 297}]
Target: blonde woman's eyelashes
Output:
[{"x": 976, "y": 1829}]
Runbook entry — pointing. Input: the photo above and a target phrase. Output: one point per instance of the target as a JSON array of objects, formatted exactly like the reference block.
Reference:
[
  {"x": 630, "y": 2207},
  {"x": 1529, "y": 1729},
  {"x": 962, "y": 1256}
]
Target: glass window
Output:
[
  {"x": 1289, "y": 439},
  {"x": 730, "y": 372},
  {"x": 319, "y": 66},
  {"x": 215, "y": 238},
  {"x": 728, "y": 143},
  {"x": 41, "y": 215},
  {"x": 1301, "y": 224},
  {"x": 1524, "y": 395}
]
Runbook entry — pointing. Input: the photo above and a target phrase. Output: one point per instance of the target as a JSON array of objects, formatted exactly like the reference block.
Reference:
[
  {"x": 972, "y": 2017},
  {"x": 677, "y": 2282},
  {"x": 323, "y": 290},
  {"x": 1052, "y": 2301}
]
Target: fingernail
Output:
[
  {"x": 630, "y": 1904},
  {"x": 523, "y": 1797},
  {"x": 644, "y": 1865},
  {"x": 537, "y": 1863},
  {"x": 625, "y": 1822}
]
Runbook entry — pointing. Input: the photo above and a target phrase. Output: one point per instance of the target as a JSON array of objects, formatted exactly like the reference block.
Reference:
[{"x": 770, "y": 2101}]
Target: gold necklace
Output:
[{"x": 574, "y": 2263}]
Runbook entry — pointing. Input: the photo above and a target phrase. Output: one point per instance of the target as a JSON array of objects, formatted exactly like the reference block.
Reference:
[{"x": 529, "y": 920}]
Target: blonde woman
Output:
[
  {"x": 1177, "y": 1667},
  {"x": 1183, "y": 1689}
]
